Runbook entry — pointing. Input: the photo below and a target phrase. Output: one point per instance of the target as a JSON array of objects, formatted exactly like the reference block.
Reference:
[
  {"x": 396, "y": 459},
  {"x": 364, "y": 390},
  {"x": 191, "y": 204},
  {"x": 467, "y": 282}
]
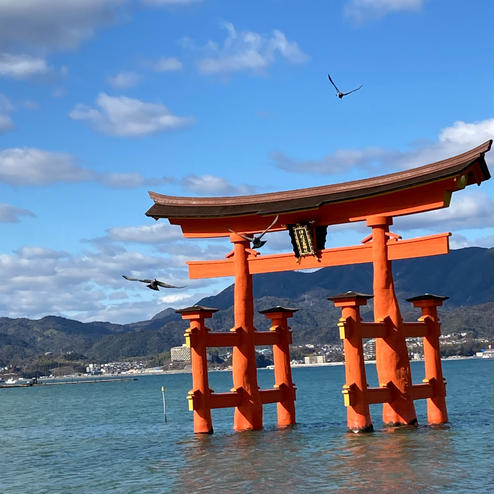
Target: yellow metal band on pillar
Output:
[
  {"x": 343, "y": 330},
  {"x": 190, "y": 400},
  {"x": 347, "y": 398}
]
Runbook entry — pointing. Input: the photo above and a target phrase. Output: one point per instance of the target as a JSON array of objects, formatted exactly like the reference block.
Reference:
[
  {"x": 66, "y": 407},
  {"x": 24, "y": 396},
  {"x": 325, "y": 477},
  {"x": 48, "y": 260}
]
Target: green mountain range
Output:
[{"x": 465, "y": 275}]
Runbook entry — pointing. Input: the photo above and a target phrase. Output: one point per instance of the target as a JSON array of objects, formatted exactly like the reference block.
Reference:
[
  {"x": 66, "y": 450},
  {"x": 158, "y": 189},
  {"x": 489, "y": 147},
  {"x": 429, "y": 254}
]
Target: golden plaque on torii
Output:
[{"x": 301, "y": 236}]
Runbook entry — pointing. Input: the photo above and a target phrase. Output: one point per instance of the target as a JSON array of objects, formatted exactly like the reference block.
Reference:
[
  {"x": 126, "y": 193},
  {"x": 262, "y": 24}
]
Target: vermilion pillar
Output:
[
  {"x": 248, "y": 415},
  {"x": 281, "y": 360},
  {"x": 392, "y": 362},
  {"x": 436, "y": 406},
  {"x": 355, "y": 388},
  {"x": 195, "y": 337}
]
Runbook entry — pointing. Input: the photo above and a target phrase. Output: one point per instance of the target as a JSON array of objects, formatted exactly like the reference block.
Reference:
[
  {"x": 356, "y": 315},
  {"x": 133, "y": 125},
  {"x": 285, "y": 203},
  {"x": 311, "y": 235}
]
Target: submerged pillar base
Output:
[
  {"x": 360, "y": 430},
  {"x": 413, "y": 423},
  {"x": 210, "y": 431}
]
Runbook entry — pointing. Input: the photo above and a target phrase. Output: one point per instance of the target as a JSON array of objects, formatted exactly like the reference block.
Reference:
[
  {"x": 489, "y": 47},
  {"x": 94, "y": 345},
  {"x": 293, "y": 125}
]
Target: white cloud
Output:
[
  {"x": 463, "y": 134},
  {"x": 362, "y": 10},
  {"x": 458, "y": 241},
  {"x": 130, "y": 180},
  {"x": 11, "y": 214},
  {"x": 456, "y": 139},
  {"x": 127, "y": 117},
  {"x": 31, "y": 166},
  {"x": 53, "y": 24},
  {"x": 124, "y": 80},
  {"x": 121, "y": 313},
  {"x": 175, "y": 298},
  {"x": 468, "y": 210},
  {"x": 20, "y": 66},
  {"x": 30, "y": 29},
  {"x": 37, "y": 167},
  {"x": 122, "y": 180},
  {"x": 459, "y": 137},
  {"x": 37, "y": 281},
  {"x": 247, "y": 50},
  {"x": 158, "y": 232},
  {"x": 205, "y": 185},
  {"x": 339, "y": 162},
  {"x": 162, "y": 237},
  {"x": 167, "y": 64}
]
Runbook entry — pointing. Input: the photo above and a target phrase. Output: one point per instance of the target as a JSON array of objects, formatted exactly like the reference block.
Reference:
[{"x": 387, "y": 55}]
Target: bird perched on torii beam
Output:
[
  {"x": 153, "y": 284},
  {"x": 338, "y": 92},
  {"x": 257, "y": 243}
]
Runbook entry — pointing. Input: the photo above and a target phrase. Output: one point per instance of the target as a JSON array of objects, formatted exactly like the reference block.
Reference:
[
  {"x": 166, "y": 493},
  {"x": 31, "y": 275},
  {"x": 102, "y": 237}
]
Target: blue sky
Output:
[{"x": 103, "y": 100}]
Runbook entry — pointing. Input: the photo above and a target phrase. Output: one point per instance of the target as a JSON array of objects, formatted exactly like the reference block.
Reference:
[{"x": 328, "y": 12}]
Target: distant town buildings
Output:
[
  {"x": 315, "y": 359},
  {"x": 370, "y": 349},
  {"x": 180, "y": 353},
  {"x": 486, "y": 353},
  {"x": 112, "y": 368}
]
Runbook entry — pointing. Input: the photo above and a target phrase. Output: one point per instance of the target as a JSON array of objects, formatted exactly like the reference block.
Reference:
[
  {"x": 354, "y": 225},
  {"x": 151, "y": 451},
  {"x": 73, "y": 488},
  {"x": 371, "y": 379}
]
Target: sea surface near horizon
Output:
[{"x": 112, "y": 438}]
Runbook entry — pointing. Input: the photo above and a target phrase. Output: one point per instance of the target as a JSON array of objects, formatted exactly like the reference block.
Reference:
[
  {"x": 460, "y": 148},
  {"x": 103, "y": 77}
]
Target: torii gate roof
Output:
[{"x": 410, "y": 191}]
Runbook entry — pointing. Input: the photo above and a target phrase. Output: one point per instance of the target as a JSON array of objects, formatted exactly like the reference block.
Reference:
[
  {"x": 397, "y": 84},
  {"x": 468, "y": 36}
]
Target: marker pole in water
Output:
[{"x": 164, "y": 401}]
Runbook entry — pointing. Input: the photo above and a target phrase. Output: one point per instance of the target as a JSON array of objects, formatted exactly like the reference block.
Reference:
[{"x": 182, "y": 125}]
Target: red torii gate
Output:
[{"x": 307, "y": 213}]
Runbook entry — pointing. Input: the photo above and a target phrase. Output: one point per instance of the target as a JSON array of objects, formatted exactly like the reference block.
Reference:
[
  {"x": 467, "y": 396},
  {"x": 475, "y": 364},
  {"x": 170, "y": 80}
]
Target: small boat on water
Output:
[{"x": 13, "y": 382}]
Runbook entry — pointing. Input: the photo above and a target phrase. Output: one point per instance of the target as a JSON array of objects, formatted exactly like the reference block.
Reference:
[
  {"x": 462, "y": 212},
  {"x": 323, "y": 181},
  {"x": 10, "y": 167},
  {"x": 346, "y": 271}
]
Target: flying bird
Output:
[
  {"x": 257, "y": 243},
  {"x": 153, "y": 284},
  {"x": 338, "y": 92}
]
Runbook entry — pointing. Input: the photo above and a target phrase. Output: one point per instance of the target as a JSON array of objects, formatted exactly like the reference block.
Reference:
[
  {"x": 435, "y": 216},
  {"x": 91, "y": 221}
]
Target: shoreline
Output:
[{"x": 130, "y": 375}]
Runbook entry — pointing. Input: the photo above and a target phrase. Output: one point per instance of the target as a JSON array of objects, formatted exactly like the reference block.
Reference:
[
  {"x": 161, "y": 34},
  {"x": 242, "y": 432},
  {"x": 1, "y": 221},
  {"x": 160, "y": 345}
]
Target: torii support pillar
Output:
[
  {"x": 248, "y": 415},
  {"x": 281, "y": 359},
  {"x": 196, "y": 339},
  {"x": 436, "y": 405},
  {"x": 355, "y": 388},
  {"x": 392, "y": 362}
]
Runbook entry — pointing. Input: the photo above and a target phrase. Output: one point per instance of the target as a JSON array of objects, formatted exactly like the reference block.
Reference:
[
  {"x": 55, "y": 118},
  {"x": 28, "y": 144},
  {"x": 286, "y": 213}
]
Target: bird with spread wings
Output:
[
  {"x": 257, "y": 243},
  {"x": 153, "y": 284},
  {"x": 338, "y": 92}
]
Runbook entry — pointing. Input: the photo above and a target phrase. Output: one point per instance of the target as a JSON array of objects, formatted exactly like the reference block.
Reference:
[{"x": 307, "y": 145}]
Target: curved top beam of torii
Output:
[{"x": 410, "y": 191}]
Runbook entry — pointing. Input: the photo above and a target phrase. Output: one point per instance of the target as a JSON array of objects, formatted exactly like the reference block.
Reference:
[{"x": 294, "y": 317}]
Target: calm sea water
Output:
[{"x": 111, "y": 438}]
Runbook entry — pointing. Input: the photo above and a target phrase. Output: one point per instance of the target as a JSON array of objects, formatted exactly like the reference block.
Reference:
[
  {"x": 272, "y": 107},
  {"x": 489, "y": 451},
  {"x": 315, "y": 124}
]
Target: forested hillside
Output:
[{"x": 465, "y": 275}]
